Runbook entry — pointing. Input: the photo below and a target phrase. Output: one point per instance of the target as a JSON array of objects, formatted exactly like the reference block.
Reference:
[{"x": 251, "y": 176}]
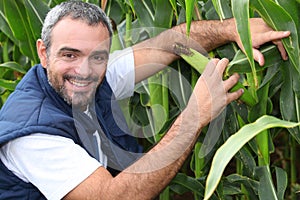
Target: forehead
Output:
[{"x": 77, "y": 33}]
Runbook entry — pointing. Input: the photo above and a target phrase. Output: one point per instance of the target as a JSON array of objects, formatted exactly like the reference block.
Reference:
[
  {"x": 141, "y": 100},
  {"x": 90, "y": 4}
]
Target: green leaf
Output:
[
  {"x": 14, "y": 66},
  {"x": 16, "y": 17},
  {"x": 144, "y": 13},
  {"x": 281, "y": 182},
  {"x": 272, "y": 76},
  {"x": 174, "y": 6},
  {"x": 246, "y": 97},
  {"x": 240, "y": 11},
  {"x": 293, "y": 8},
  {"x": 180, "y": 88},
  {"x": 192, "y": 57},
  {"x": 248, "y": 160},
  {"x": 163, "y": 14},
  {"x": 240, "y": 63},
  {"x": 188, "y": 182},
  {"x": 248, "y": 182},
  {"x": 36, "y": 11},
  {"x": 4, "y": 27},
  {"x": 289, "y": 102},
  {"x": 225, "y": 153},
  {"x": 266, "y": 189},
  {"x": 189, "y": 5},
  {"x": 8, "y": 84},
  {"x": 218, "y": 6}
]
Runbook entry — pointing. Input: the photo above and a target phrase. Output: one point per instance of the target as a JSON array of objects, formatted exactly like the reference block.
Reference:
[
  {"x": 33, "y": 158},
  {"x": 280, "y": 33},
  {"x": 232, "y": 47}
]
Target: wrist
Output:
[{"x": 229, "y": 25}]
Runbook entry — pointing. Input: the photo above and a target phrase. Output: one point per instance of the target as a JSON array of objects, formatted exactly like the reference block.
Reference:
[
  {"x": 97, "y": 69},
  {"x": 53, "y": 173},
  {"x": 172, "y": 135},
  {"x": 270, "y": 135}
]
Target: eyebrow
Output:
[
  {"x": 103, "y": 52},
  {"x": 68, "y": 49},
  {"x": 78, "y": 51}
]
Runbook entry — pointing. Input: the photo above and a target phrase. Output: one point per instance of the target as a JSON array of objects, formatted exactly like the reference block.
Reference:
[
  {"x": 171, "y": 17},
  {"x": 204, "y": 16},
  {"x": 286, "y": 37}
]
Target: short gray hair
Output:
[{"x": 87, "y": 12}]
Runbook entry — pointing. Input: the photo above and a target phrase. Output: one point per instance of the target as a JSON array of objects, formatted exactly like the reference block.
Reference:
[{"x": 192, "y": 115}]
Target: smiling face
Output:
[{"x": 77, "y": 59}]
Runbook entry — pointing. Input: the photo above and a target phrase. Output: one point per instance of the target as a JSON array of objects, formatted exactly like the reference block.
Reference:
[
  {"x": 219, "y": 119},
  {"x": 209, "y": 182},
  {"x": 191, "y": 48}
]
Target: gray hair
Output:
[{"x": 87, "y": 12}]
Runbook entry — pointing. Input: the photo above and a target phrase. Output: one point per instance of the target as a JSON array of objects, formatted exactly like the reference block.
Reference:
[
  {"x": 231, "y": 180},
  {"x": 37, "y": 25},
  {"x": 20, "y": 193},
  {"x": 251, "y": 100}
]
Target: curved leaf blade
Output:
[
  {"x": 163, "y": 14},
  {"x": 36, "y": 11},
  {"x": 4, "y": 26},
  {"x": 265, "y": 180},
  {"x": 14, "y": 66},
  {"x": 189, "y": 5},
  {"x": 189, "y": 182},
  {"x": 281, "y": 182},
  {"x": 218, "y": 6},
  {"x": 225, "y": 153},
  {"x": 240, "y": 63},
  {"x": 240, "y": 11},
  {"x": 10, "y": 85},
  {"x": 17, "y": 20}
]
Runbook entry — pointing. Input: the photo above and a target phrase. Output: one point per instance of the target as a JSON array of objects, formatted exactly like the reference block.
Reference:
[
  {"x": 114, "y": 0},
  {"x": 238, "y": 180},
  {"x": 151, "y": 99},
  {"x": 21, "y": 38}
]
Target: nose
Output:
[{"x": 83, "y": 69}]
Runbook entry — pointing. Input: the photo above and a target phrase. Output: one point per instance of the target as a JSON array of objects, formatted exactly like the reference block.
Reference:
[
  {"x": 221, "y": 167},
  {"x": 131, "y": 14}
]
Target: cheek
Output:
[
  {"x": 59, "y": 68},
  {"x": 100, "y": 71},
  {"x": 56, "y": 73}
]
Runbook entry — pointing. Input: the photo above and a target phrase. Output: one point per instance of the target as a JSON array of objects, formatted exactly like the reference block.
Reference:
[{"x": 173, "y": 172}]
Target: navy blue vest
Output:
[{"x": 34, "y": 107}]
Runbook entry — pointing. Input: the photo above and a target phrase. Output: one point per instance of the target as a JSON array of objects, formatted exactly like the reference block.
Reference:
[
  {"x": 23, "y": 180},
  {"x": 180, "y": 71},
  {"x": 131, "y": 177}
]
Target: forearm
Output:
[
  {"x": 209, "y": 34},
  {"x": 156, "y": 53},
  {"x": 148, "y": 176},
  {"x": 152, "y": 172}
]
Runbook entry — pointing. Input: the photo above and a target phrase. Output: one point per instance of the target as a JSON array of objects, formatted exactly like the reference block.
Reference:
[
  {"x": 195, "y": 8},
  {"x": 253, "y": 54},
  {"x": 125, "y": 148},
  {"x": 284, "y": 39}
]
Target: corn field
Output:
[{"x": 250, "y": 151}]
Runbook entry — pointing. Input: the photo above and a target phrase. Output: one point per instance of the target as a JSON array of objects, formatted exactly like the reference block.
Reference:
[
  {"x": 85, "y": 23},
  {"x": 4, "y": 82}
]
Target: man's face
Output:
[{"x": 78, "y": 59}]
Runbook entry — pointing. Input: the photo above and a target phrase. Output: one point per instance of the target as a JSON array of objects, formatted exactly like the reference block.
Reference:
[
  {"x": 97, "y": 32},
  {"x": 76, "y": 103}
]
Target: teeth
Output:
[{"x": 78, "y": 84}]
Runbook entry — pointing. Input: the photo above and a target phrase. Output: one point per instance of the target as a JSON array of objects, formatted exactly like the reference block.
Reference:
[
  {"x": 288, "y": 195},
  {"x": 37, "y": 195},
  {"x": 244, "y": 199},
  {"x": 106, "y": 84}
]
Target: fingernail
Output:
[{"x": 259, "y": 61}]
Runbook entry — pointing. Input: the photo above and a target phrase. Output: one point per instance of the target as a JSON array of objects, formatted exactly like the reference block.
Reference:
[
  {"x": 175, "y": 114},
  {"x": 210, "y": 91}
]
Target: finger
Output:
[
  {"x": 258, "y": 57},
  {"x": 221, "y": 66},
  {"x": 232, "y": 96},
  {"x": 281, "y": 49},
  {"x": 210, "y": 67},
  {"x": 277, "y": 35},
  {"x": 270, "y": 36},
  {"x": 231, "y": 81}
]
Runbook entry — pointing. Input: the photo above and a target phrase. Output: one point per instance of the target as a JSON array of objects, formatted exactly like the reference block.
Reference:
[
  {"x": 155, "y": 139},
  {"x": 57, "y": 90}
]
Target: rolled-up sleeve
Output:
[{"x": 120, "y": 73}]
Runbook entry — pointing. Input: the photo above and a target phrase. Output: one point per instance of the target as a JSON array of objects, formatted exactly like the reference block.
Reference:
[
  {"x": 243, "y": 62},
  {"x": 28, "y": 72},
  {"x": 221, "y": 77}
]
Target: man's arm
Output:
[
  {"x": 151, "y": 173},
  {"x": 156, "y": 53}
]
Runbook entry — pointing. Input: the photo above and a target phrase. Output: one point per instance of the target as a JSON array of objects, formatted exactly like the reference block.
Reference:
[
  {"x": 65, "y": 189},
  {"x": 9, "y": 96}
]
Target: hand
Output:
[
  {"x": 211, "y": 93},
  {"x": 261, "y": 33}
]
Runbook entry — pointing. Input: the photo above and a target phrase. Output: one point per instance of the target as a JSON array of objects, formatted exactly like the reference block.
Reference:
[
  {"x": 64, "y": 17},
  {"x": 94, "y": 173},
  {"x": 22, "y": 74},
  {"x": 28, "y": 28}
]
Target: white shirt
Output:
[
  {"x": 55, "y": 164},
  {"x": 120, "y": 73}
]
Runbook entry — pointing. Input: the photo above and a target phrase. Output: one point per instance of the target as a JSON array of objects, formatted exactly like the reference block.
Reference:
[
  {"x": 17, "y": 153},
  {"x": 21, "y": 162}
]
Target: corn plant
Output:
[{"x": 255, "y": 155}]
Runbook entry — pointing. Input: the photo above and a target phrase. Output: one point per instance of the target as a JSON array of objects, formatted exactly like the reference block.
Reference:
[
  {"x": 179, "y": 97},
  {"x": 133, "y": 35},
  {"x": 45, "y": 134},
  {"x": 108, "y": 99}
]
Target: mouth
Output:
[{"x": 79, "y": 83}]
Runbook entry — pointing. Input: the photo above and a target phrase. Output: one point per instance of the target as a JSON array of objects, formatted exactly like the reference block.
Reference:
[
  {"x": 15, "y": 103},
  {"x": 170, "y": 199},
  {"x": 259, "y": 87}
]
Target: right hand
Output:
[{"x": 211, "y": 93}]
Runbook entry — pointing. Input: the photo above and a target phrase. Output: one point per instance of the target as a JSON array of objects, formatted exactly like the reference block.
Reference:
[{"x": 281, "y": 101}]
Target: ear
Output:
[{"x": 41, "y": 50}]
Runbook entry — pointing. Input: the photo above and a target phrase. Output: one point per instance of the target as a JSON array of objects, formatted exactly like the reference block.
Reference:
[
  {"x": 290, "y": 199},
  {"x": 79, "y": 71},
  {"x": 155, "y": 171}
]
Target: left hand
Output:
[
  {"x": 211, "y": 93},
  {"x": 261, "y": 33}
]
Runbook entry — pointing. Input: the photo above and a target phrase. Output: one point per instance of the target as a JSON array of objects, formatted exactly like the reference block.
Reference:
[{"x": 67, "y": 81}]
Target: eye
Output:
[
  {"x": 69, "y": 56},
  {"x": 99, "y": 58}
]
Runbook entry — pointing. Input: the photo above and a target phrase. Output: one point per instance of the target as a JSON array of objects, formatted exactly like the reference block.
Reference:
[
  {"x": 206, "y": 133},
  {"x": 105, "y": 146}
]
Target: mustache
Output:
[{"x": 80, "y": 78}]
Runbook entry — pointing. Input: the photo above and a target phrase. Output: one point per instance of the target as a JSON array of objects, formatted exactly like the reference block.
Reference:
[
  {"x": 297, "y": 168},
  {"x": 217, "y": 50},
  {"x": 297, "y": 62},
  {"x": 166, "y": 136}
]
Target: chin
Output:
[{"x": 80, "y": 100}]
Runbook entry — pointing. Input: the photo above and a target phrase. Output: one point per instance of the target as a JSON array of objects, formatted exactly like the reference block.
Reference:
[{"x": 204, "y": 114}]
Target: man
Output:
[{"x": 58, "y": 129}]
